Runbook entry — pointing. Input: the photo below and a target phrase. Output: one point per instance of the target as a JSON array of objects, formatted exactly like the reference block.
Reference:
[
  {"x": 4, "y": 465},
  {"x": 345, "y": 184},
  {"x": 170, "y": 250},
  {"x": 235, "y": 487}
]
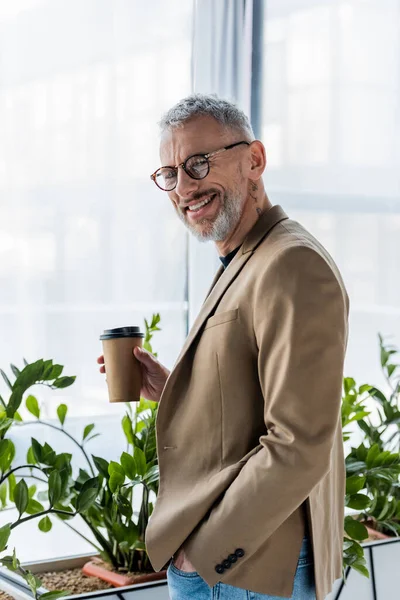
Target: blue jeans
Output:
[{"x": 188, "y": 586}]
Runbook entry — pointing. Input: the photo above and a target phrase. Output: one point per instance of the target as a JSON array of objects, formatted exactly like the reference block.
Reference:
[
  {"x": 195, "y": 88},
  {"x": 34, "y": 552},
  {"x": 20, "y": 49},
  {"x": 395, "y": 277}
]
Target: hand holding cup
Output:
[{"x": 131, "y": 371}]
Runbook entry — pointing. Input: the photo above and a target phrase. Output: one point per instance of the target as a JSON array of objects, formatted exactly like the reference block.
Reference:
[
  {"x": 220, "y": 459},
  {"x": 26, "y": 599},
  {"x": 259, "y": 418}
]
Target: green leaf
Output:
[
  {"x": 124, "y": 506},
  {"x": 101, "y": 465},
  {"x": 83, "y": 476},
  {"x": 8, "y": 382},
  {"x": 33, "y": 406},
  {"x": 5, "y": 422},
  {"x": 30, "y": 375},
  {"x": 33, "y": 582},
  {"x": 4, "y": 452},
  {"x": 30, "y": 457},
  {"x": 349, "y": 384},
  {"x": 15, "y": 402},
  {"x": 88, "y": 494},
  {"x": 92, "y": 437},
  {"x": 54, "y": 488},
  {"x": 62, "y": 412},
  {"x": 15, "y": 370},
  {"x": 115, "y": 481},
  {"x": 32, "y": 490},
  {"x": 12, "y": 482},
  {"x": 358, "y": 416},
  {"x": 140, "y": 461},
  {"x": 87, "y": 430},
  {"x": 48, "y": 455},
  {"x": 373, "y": 452},
  {"x": 355, "y": 529},
  {"x": 37, "y": 450},
  {"x": 364, "y": 388},
  {"x": 384, "y": 357},
  {"x": 391, "y": 369},
  {"x": 64, "y": 382},
  {"x": 34, "y": 507},
  {"x": 66, "y": 509},
  {"x": 361, "y": 452},
  {"x": 56, "y": 371},
  {"x": 385, "y": 509},
  {"x": 115, "y": 467},
  {"x": 53, "y": 595},
  {"x": 45, "y": 524},
  {"x": 357, "y": 566},
  {"x": 3, "y": 494},
  {"x": 47, "y": 368},
  {"x": 152, "y": 475},
  {"x": 21, "y": 496},
  {"x": 354, "y": 484},
  {"x": 7, "y": 454},
  {"x": 17, "y": 417},
  {"x": 5, "y": 533},
  {"x": 128, "y": 464},
  {"x": 4, "y": 447},
  {"x": 358, "y": 501},
  {"x": 375, "y": 393},
  {"x": 127, "y": 428}
]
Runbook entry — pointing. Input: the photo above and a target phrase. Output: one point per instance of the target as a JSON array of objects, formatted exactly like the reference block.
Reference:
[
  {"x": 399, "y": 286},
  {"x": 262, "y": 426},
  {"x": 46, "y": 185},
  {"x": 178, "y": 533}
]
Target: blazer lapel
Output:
[
  {"x": 216, "y": 277},
  {"x": 224, "y": 278}
]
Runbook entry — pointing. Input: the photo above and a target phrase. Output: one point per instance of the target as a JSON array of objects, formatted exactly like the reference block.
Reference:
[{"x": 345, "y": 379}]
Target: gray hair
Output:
[{"x": 224, "y": 112}]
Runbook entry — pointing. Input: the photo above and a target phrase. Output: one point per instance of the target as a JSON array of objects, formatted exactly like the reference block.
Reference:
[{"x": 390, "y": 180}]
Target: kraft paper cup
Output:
[{"x": 124, "y": 375}]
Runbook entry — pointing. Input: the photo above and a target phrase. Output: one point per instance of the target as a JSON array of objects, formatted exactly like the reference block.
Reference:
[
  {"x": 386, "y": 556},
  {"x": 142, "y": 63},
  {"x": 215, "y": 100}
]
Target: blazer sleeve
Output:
[{"x": 300, "y": 323}]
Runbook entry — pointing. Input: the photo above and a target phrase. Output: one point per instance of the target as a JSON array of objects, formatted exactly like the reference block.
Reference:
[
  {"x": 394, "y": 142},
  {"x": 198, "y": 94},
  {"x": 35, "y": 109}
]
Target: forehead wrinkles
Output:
[{"x": 194, "y": 137}]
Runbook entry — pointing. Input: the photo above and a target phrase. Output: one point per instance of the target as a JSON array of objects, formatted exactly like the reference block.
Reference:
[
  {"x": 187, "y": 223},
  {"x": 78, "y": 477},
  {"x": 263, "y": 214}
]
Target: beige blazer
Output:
[{"x": 248, "y": 429}]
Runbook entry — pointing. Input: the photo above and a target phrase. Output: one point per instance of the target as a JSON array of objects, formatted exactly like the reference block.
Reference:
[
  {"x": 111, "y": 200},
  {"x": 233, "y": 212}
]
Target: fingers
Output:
[
  {"x": 143, "y": 356},
  {"x": 100, "y": 360}
]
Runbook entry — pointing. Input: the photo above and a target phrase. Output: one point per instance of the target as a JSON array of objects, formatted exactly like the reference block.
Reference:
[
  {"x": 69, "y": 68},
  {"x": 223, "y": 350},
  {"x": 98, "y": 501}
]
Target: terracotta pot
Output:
[
  {"x": 373, "y": 534},
  {"x": 95, "y": 568}
]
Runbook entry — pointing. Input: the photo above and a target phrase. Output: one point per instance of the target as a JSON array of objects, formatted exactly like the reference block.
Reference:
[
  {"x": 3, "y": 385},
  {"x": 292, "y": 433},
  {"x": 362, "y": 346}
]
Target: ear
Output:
[{"x": 258, "y": 160}]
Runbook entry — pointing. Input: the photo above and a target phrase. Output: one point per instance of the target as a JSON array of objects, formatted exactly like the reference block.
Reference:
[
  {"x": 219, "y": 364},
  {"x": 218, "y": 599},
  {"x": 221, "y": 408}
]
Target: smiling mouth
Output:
[{"x": 196, "y": 207}]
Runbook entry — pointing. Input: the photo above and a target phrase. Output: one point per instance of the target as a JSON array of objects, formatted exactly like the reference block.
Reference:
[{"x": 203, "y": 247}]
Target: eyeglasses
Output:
[{"x": 196, "y": 166}]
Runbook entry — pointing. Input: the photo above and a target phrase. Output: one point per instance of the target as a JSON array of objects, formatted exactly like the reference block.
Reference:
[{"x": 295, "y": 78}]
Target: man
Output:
[{"x": 251, "y": 496}]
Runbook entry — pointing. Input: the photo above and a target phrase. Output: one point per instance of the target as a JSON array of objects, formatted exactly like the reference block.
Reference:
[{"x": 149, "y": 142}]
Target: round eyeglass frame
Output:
[{"x": 207, "y": 156}]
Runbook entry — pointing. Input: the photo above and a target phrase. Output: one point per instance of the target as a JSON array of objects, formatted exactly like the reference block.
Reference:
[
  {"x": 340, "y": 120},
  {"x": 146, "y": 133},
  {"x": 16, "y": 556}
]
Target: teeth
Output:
[{"x": 200, "y": 204}]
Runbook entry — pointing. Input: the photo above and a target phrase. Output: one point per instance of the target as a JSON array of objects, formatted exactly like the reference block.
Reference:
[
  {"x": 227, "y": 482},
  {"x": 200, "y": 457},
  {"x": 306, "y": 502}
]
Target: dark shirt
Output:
[{"x": 228, "y": 258}]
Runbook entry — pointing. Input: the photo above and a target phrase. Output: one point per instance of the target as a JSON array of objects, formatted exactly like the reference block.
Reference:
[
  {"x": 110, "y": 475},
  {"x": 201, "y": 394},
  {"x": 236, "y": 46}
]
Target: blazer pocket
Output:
[{"x": 224, "y": 317}]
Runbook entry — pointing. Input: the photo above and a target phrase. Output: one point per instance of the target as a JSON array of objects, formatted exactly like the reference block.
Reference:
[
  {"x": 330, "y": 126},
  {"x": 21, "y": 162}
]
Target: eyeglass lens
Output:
[{"x": 196, "y": 166}]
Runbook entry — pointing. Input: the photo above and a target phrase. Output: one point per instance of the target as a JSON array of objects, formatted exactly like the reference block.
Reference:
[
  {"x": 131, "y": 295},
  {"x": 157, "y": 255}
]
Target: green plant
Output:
[
  {"x": 373, "y": 468},
  {"x": 52, "y": 469},
  {"x": 119, "y": 533},
  {"x": 102, "y": 493}
]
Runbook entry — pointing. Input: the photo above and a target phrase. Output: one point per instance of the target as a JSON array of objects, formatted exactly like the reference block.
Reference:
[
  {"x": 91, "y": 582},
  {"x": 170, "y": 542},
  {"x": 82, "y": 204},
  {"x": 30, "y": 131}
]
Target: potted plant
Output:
[
  {"x": 372, "y": 471},
  {"x": 102, "y": 493}
]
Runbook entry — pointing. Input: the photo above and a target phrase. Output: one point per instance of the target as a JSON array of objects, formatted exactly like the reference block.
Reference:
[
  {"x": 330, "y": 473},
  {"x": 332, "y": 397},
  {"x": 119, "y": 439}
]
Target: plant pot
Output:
[
  {"x": 374, "y": 534},
  {"x": 97, "y": 568},
  {"x": 17, "y": 588}
]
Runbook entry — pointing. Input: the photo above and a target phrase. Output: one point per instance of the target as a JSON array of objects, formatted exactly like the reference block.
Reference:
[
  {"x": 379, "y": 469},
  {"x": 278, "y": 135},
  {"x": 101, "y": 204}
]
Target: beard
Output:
[{"x": 229, "y": 214}]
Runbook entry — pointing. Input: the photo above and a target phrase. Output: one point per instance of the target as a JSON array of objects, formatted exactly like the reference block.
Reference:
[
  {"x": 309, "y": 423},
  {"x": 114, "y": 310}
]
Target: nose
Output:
[{"x": 185, "y": 185}]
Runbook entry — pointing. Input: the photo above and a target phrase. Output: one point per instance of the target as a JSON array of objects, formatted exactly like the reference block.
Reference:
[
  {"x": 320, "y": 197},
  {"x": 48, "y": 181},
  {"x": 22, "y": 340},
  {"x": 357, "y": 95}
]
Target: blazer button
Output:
[
  {"x": 232, "y": 558},
  {"x": 227, "y": 564},
  {"x": 239, "y": 552},
  {"x": 220, "y": 569}
]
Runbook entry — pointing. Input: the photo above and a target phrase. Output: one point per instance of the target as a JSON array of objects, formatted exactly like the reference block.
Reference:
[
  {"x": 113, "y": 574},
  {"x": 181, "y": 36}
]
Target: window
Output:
[
  {"x": 331, "y": 127},
  {"x": 86, "y": 240}
]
